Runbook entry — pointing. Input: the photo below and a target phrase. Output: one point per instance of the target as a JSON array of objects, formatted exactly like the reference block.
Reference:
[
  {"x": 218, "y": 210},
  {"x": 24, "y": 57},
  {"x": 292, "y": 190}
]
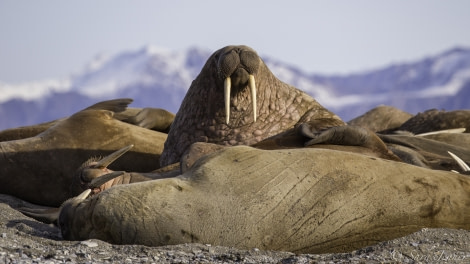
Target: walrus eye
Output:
[{"x": 227, "y": 90}]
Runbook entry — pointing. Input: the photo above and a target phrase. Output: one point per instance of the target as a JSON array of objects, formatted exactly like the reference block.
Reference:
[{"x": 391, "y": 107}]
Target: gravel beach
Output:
[{"x": 25, "y": 240}]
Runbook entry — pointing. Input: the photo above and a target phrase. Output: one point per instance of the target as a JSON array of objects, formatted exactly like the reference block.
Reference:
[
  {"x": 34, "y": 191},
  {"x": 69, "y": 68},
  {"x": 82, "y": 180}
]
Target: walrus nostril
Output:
[
  {"x": 250, "y": 61},
  {"x": 227, "y": 63}
]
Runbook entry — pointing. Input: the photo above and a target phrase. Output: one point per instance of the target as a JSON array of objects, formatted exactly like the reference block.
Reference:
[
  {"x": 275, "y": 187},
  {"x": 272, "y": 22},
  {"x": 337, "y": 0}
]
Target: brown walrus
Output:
[
  {"x": 40, "y": 169},
  {"x": 381, "y": 118},
  {"x": 152, "y": 118},
  {"x": 434, "y": 120},
  {"x": 236, "y": 100},
  {"x": 300, "y": 200}
]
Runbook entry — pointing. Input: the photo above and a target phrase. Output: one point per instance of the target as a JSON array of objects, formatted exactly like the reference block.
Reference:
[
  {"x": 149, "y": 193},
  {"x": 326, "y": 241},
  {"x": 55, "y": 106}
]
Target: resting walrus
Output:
[
  {"x": 236, "y": 100},
  {"x": 40, "y": 169},
  {"x": 300, "y": 200}
]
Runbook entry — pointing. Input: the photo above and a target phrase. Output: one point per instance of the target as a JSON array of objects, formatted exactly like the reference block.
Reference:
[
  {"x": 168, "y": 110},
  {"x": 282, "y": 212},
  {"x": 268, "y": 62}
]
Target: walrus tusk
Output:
[
  {"x": 253, "y": 95},
  {"x": 461, "y": 163},
  {"x": 452, "y": 130},
  {"x": 97, "y": 182},
  {"x": 227, "y": 87},
  {"x": 83, "y": 195},
  {"x": 103, "y": 163}
]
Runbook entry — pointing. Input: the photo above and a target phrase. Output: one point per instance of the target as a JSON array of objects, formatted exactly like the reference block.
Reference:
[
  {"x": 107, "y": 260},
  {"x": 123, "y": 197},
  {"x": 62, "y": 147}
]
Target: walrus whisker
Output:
[
  {"x": 103, "y": 163},
  {"x": 253, "y": 94},
  {"x": 461, "y": 163},
  {"x": 227, "y": 88},
  {"x": 453, "y": 130},
  {"x": 97, "y": 182}
]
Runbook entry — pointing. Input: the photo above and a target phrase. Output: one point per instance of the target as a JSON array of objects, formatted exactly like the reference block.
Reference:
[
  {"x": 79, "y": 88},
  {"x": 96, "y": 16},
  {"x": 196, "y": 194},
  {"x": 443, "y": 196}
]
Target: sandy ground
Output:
[{"x": 24, "y": 240}]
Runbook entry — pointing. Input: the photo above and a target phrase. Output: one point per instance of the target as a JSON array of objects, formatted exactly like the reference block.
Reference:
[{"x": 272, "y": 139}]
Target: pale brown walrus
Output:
[
  {"x": 300, "y": 200},
  {"x": 40, "y": 169},
  {"x": 381, "y": 118},
  {"x": 433, "y": 120},
  {"x": 152, "y": 118}
]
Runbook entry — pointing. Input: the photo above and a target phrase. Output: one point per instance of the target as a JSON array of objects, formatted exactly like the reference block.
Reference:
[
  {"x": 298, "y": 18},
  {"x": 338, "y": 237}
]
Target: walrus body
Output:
[
  {"x": 255, "y": 106},
  {"x": 40, "y": 169},
  {"x": 434, "y": 120},
  {"x": 300, "y": 200},
  {"x": 381, "y": 118},
  {"x": 152, "y": 118}
]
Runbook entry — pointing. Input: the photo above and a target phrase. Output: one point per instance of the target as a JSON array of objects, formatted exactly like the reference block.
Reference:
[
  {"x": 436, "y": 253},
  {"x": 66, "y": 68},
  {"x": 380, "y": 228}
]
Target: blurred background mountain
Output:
[{"x": 156, "y": 77}]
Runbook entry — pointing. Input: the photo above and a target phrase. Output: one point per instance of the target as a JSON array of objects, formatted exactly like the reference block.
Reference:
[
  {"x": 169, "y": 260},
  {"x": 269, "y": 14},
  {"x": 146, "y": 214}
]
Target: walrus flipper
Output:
[
  {"x": 115, "y": 105},
  {"x": 343, "y": 135},
  {"x": 152, "y": 118},
  {"x": 45, "y": 215}
]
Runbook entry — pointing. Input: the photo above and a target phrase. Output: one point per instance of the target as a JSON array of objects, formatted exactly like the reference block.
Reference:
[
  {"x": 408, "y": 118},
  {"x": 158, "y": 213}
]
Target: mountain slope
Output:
[{"x": 159, "y": 78}]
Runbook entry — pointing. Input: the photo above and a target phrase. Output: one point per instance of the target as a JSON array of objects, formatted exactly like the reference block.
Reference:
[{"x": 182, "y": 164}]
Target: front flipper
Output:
[
  {"x": 342, "y": 135},
  {"x": 153, "y": 118},
  {"x": 347, "y": 136}
]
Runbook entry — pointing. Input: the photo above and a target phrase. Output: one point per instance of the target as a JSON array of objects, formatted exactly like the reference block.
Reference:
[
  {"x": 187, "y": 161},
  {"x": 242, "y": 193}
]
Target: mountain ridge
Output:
[{"x": 158, "y": 77}]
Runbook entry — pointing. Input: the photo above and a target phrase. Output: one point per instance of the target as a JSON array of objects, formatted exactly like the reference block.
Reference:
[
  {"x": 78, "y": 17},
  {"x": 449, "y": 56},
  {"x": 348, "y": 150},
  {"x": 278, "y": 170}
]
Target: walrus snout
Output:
[
  {"x": 237, "y": 66},
  {"x": 232, "y": 58},
  {"x": 90, "y": 175}
]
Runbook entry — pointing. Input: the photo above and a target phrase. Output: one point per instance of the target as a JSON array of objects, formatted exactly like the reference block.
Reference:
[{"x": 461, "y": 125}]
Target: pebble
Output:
[{"x": 89, "y": 243}]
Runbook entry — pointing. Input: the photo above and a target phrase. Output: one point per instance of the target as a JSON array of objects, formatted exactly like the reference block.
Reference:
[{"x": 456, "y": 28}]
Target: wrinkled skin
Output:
[
  {"x": 434, "y": 120},
  {"x": 202, "y": 115},
  {"x": 40, "y": 169},
  {"x": 301, "y": 200}
]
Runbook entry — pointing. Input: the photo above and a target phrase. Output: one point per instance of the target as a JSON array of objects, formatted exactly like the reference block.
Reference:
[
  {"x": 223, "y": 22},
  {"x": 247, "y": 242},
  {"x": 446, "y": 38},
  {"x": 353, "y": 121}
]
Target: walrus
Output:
[
  {"x": 40, "y": 169},
  {"x": 434, "y": 120},
  {"x": 300, "y": 200},
  {"x": 152, "y": 118},
  {"x": 236, "y": 100},
  {"x": 381, "y": 118}
]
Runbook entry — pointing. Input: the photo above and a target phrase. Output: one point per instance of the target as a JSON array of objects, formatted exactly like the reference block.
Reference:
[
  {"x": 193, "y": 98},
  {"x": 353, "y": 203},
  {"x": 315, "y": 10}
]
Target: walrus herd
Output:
[{"x": 247, "y": 161}]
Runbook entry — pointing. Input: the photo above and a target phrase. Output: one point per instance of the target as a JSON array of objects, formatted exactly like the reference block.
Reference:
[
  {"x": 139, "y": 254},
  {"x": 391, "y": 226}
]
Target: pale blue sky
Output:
[{"x": 55, "y": 38}]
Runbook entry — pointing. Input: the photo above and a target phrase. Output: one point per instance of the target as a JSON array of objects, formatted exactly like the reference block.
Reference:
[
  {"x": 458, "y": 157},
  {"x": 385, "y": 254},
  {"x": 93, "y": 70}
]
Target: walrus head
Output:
[{"x": 94, "y": 173}]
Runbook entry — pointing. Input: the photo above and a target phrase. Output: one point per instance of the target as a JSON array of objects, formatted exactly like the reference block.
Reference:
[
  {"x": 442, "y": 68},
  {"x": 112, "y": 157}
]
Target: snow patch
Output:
[
  {"x": 32, "y": 90},
  {"x": 451, "y": 62},
  {"x": 451, "y": 88}
]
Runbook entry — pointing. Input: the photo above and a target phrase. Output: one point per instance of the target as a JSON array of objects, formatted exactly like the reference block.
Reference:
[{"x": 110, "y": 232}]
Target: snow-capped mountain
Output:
[
  {"x": 441, "y": 82},
  {"x": 156, "y": 77}
]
